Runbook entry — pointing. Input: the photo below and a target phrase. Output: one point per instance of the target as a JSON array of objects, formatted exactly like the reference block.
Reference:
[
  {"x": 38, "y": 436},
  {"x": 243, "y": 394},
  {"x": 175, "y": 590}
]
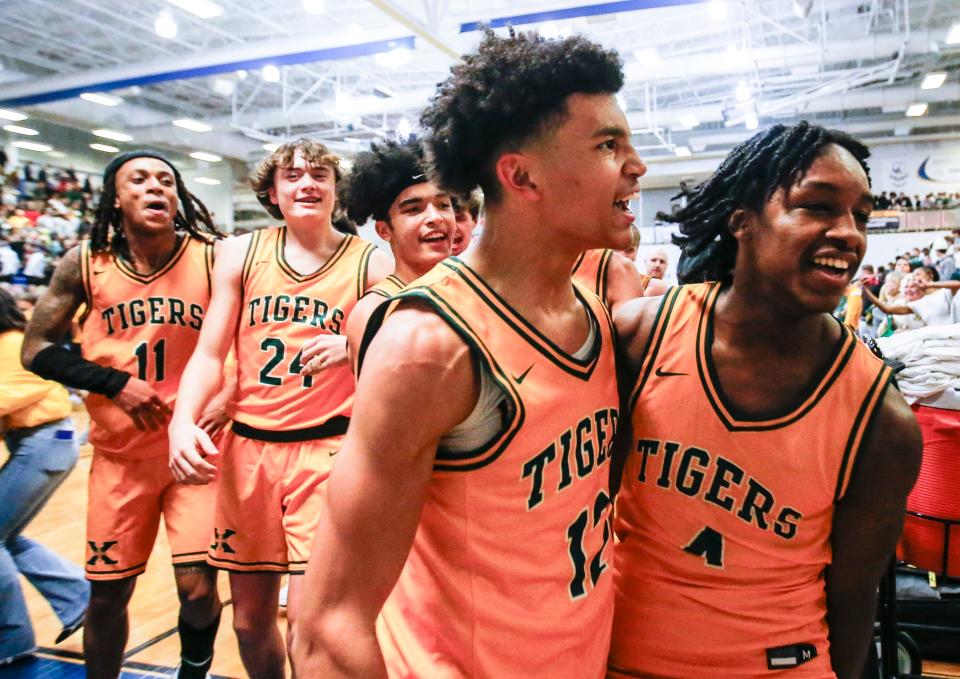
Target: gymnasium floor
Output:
[{"x": 153, "y": 648}]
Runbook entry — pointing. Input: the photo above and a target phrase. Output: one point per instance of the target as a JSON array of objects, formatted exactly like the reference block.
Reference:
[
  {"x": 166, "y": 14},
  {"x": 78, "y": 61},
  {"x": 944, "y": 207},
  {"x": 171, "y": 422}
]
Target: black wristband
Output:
[{"x": 64, "y": 366}]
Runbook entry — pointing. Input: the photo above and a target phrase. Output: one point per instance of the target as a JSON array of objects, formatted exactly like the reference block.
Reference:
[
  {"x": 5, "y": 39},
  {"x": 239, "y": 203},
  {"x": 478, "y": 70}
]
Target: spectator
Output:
[
  {"x": 882, "y": 202},
  {"x": 35, "y": 264},
  {"x": 9, "y": 262},
  {"x": 943, "y": 261}
]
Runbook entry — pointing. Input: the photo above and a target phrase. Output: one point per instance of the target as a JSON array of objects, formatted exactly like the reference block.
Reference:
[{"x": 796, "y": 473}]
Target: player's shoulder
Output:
[
  {"x": 415, "y": 328},
  {"x": 634, "y": 321}
]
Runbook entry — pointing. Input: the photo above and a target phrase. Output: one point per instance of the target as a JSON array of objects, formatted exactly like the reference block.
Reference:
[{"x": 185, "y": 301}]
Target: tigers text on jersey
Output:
[
  {"x": 282, "y": 309},
  {"x": 509, "y": 573},
  {"x": 724, "y": 520},
  {"x": 146, "y": 325},
  {"x": 591, "y": 270}
]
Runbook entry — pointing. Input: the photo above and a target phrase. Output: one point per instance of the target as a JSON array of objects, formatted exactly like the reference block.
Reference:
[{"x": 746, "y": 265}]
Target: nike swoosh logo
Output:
[
  {"x": 522, "y": 377},
  {"x": 666, "y": 373}
]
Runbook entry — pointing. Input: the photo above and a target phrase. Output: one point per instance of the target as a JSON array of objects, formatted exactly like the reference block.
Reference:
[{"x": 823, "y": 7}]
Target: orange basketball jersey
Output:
[
  {"x": 724, "y": 520},
  {"x": 509, "y": 574},
  {"x": 388, "y": 287},
  {"x": 281, "y": 309},
  {"x": 591, "y": 269},
  {"x": 146, "y": 325}
]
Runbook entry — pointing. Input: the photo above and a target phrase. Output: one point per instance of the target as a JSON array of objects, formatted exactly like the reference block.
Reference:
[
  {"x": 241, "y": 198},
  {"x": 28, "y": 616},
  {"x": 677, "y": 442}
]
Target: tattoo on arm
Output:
[{"x": 53, "y": 315}]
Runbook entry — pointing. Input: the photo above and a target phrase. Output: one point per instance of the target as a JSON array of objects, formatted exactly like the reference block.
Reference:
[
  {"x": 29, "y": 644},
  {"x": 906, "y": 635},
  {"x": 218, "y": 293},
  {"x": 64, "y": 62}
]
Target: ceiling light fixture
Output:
[
  {"x": 165, "y": 26},
  {"x": 209, "y": 181},
  {"x": 12, "y": 116},
  {"x": 113, "y": 134},
  {"x": 192, "y": 125},
  {"x": 916, "y": 110},
  {"x": 718, "y": 10},
  {"x": 553, "y": 30},
  {"x": 16, "y": 129},
  {"x": 689, "y": 120},
  {"x": 314, "y": 6},
  {"x": 751, "y": 121},
  {"x": 56, "y": 154},
  {"x": 933, "y": 80},
  {"x": 223, "y": 86},
  {"x": 32, "y": 146},
  {"x": 101, "y": 98},
  {"x": 682, "y": 151},
  {"x": 271, "y": 147},
  {"x": 404, "y": 128},
  {"x": 242, "y": 74},
  {"x": 270, "y": 73},
  {"x": 395, "y": 58},
  {"x": 953, "y": 37},
  {"x": 104, "y": 147},
  {"x": 647, "y": 56},
  {"x": 743, "y": 92},
  {"x": 209, "y": 157},
  {"x": 205, "y": 9}
]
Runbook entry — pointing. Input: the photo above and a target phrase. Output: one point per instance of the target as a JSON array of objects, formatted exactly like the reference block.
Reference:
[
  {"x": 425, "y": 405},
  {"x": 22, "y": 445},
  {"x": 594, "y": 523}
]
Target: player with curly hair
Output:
[
  {"x": 389, "y": 184},
  {"x": 770, "y": 456},
  {"x": 281, "y": 297},
  {"x": 472, "y": 488}
]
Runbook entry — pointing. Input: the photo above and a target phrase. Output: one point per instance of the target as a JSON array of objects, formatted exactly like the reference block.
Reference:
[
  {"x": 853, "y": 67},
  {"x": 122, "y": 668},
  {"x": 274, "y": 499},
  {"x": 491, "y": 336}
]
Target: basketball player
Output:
[
  {"x": 614, "y": 278},
  {"x": 389, "y": 184},
  {"x": 275, "y": 291},
  {"x": 472, "y": 487},
  {"x": 467, "y": 209},
  {"x": 144, "y": 277},
  {"x": 766, "y": 482}
]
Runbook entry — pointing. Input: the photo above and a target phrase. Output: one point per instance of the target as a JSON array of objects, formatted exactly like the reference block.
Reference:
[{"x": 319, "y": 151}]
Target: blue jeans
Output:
[{"x": 40, "y": 459}]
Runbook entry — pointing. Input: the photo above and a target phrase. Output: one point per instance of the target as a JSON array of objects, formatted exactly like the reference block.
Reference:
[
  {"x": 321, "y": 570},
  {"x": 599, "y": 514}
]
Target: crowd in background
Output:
[
  {"x": 917, "y": 290},
  {"x": 942, "y": 200}
]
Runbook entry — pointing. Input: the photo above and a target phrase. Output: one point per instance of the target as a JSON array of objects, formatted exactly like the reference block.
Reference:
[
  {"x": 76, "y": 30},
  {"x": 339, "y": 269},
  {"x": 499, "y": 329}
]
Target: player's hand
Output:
[
  {"x": 213, "y": 420},
  {"x": 138, "y": 400},
  {"x": 192, "y": 454},
  {"x": 323, "y": 352}
]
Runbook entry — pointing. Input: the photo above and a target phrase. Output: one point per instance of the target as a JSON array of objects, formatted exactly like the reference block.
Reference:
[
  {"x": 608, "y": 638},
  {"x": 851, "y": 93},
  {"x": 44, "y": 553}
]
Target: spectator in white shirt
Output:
[
  {"x": 9, "y": 262},
  {"x": 35, "y": 265}
]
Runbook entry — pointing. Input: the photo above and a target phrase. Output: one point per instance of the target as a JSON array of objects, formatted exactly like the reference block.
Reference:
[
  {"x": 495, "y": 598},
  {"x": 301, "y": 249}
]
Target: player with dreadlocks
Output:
[
  {"x": 389, "y": 184},
  {"x": 144, "y": 279},
  {"x": 756, "y": 520}
]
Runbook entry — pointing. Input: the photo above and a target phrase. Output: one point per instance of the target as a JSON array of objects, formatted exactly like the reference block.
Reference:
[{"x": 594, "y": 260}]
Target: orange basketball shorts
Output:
[
  {"x": 126, "y": 498},
  {"x": 269, "y": 500}
]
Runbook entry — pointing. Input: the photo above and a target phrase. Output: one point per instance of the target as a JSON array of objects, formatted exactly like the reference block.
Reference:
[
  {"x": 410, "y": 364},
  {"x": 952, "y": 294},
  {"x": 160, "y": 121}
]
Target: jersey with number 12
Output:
[
  {"x": 510, "y": 571},
  {"x": 281, "y": 309},
  {"x": 146, "y": 325}
]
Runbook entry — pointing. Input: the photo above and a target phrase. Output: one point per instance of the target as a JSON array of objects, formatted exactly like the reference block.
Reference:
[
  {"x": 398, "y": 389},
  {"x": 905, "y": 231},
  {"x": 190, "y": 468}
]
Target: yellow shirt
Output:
[{"x": 26, "y": 400}]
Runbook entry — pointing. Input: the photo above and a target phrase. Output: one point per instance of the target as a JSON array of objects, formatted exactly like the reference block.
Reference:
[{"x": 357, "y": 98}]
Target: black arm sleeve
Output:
[{"x": 66, "y": 367}]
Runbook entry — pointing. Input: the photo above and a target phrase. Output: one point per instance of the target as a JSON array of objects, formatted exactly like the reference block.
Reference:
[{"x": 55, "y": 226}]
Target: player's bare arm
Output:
[
  {"x": 866, "y": 527},
  {"x": 357, "y": 323},
  {"x": 52, "y": 322},
  {"x": 623, "y": 281},
  {"x": 655, "y": 288},
  {"x": 417, "y": 382},
  {"x": 189, "y": 443},
  {"x": 633, "y": 322},
  {"x": 328, "y": 351}
]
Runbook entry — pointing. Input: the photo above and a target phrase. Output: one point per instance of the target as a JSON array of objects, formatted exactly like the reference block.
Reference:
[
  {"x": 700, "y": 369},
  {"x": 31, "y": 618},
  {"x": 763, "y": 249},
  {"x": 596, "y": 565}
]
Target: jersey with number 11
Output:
[
  {"x": 146, "y": 325},
  {"x": 281, "y": 309}
]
